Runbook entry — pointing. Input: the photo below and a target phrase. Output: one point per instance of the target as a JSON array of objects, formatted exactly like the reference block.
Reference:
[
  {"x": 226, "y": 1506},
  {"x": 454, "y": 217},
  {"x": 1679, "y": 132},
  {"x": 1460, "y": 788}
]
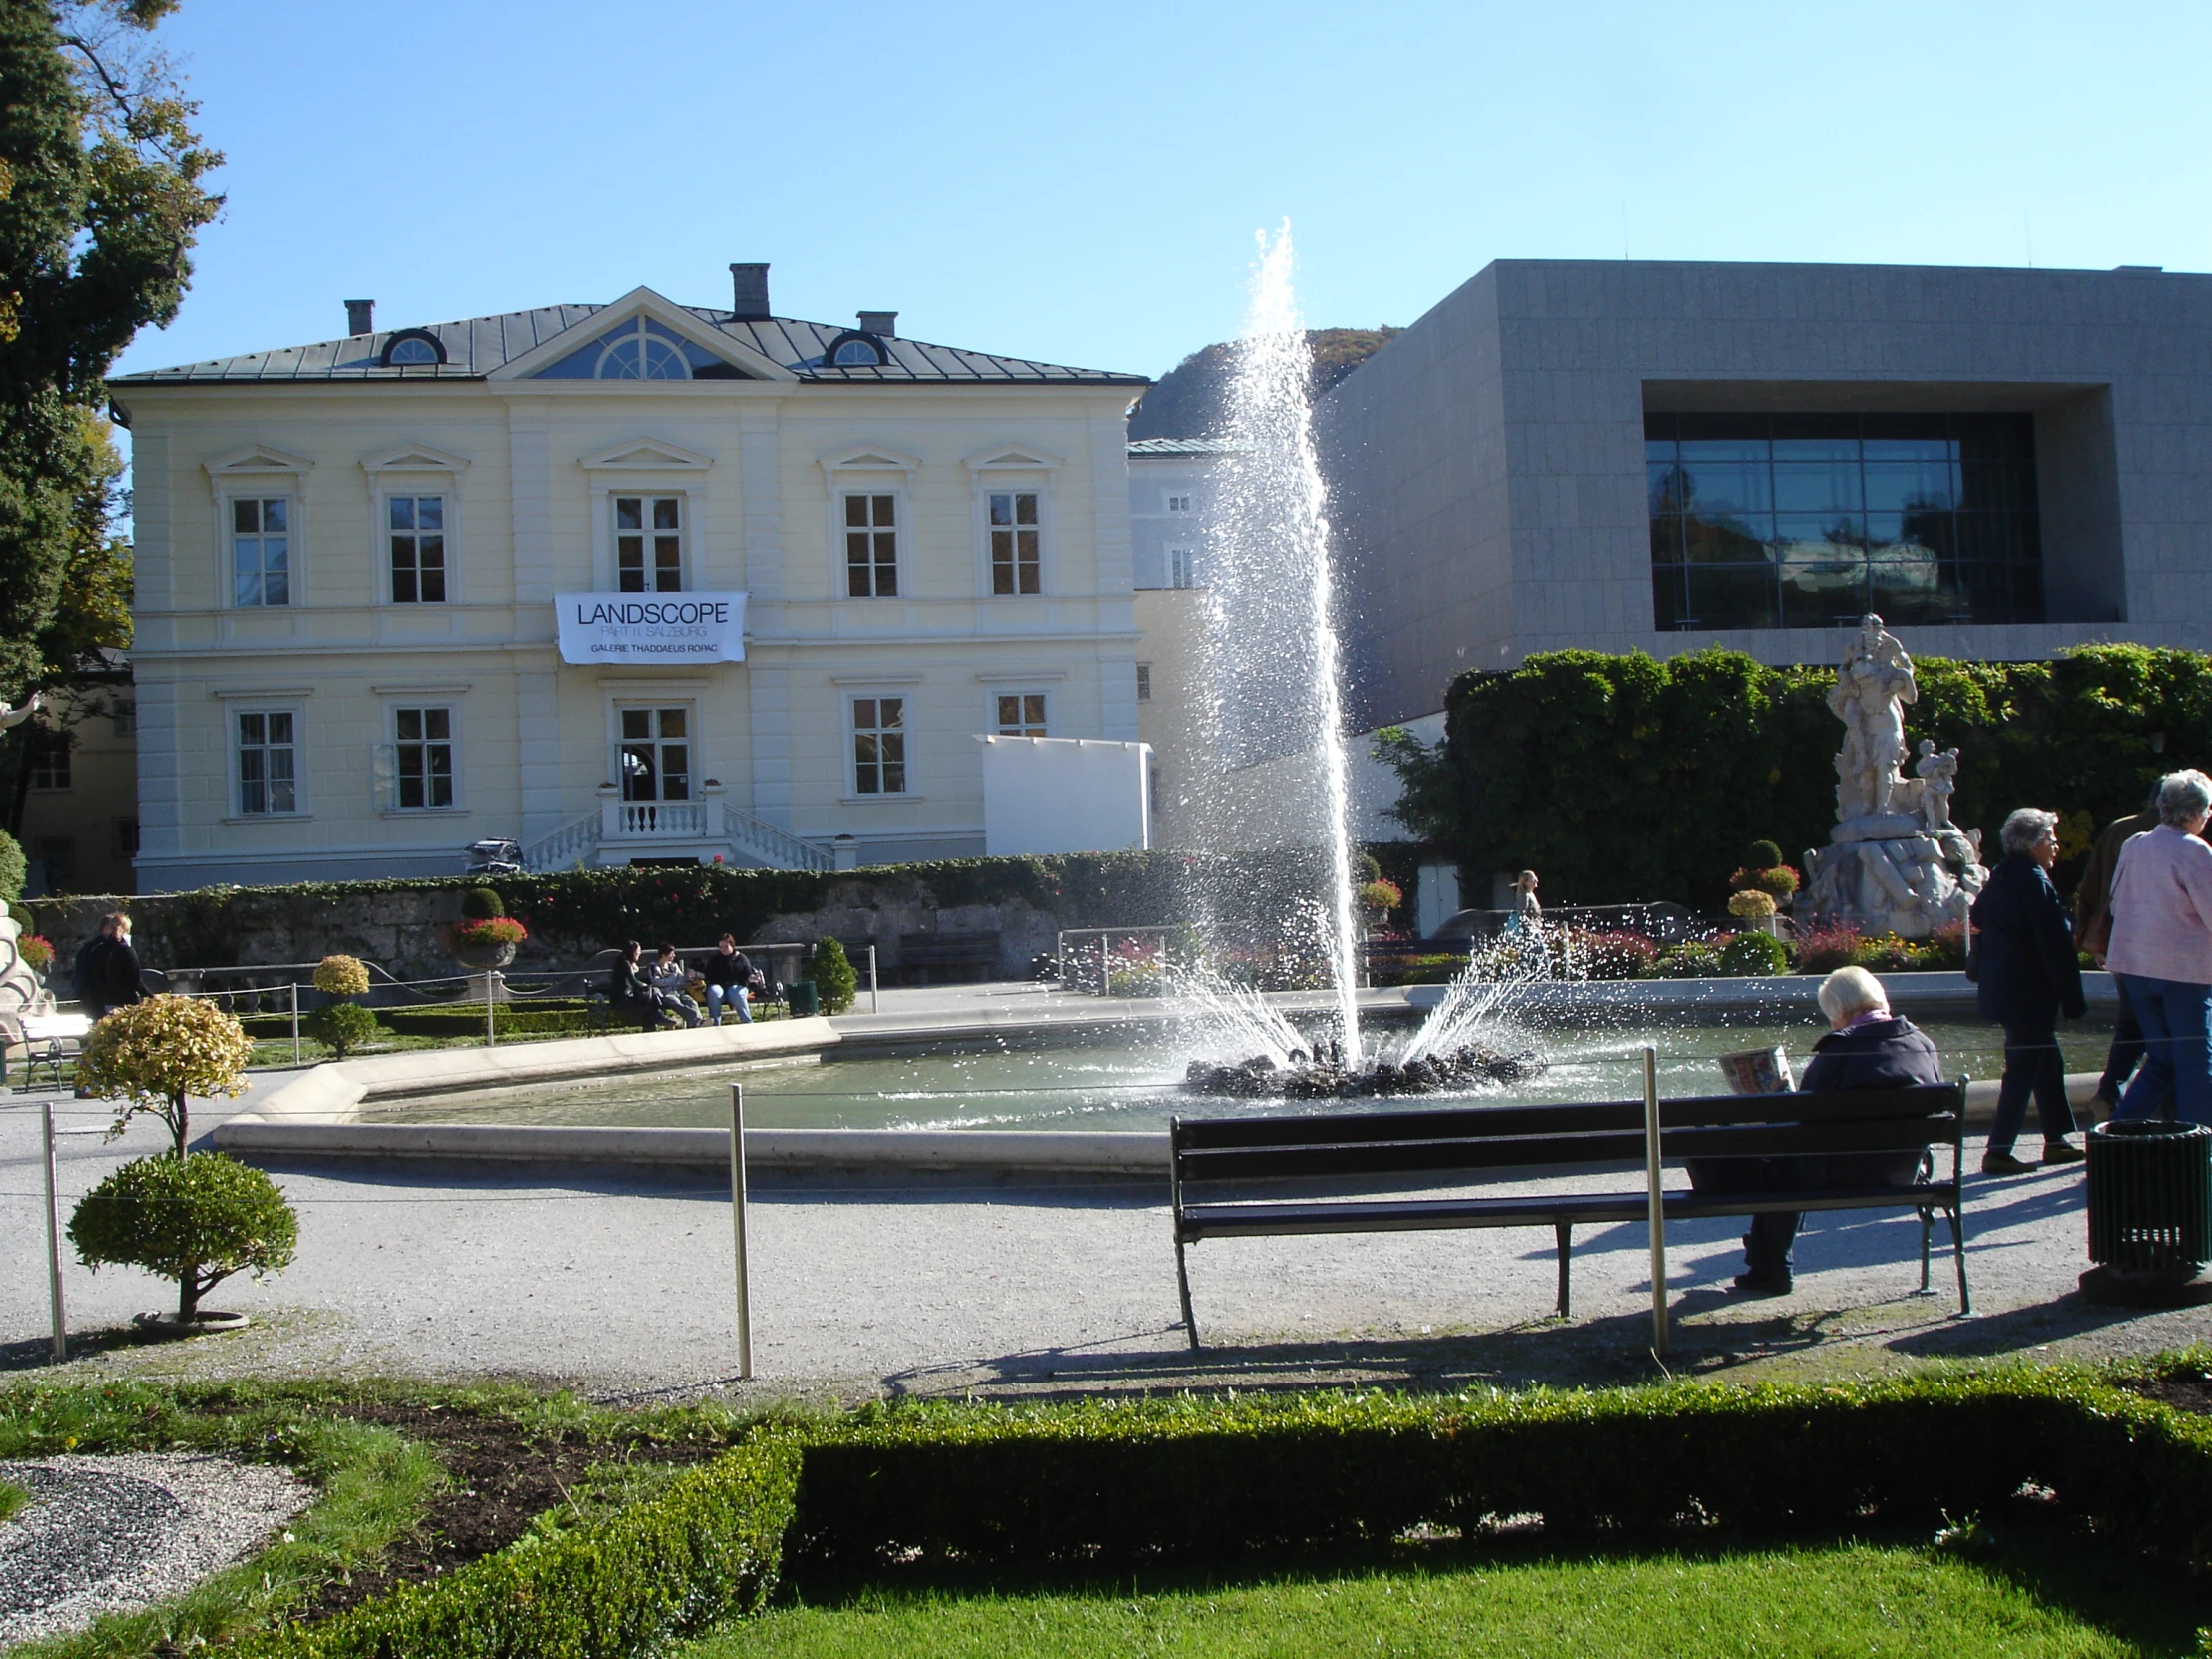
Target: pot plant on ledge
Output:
[{"x": 485, "y": 937}]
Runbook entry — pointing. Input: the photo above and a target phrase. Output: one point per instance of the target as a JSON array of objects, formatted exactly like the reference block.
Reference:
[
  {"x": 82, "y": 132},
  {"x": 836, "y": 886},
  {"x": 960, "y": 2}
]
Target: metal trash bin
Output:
[
  {"x": 2150, "y": 1212},
  {"x": 804, "y": 999}
]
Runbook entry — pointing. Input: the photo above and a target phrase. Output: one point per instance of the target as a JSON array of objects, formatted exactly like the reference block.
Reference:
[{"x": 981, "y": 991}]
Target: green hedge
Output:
[
  {"x": 1621, "y": 779},
  {"x": 1190, "y": 1480},
  {"x": 707, "y": 1547}
]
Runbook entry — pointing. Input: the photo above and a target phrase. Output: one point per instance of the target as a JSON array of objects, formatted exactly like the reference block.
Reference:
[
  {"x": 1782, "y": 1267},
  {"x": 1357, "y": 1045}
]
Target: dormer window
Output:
[
  {"x": 856, "y": 351},
  {"x": 414, "y": 348},
  {"x": 641, "y": 353}
]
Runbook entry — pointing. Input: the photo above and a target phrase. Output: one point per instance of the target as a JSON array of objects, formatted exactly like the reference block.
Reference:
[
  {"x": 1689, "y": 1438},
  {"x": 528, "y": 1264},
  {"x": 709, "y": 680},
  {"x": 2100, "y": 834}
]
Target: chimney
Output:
[
  {"x": 749, "y": 293},
  {"x": 361, "y": 316},
  {"x": 884, "y": 325}
]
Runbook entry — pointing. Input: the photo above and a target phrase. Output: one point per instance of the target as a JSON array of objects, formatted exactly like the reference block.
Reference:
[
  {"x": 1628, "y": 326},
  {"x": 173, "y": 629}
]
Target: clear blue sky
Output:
[{"x": 1080, "y": 183}]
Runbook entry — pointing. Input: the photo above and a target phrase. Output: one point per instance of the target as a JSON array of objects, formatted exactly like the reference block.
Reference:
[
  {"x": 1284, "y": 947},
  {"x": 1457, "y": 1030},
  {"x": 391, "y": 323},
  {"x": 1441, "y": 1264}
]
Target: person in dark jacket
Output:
[
  {"x": 728, "y": 972},
  {"x": 629, "y": 994},
  {"x": 116, "y": 969},
  {"x": 90, "y": 980},
  {"x": 2026, "y": 976},
  {"x": 1867, "y": 1047}
]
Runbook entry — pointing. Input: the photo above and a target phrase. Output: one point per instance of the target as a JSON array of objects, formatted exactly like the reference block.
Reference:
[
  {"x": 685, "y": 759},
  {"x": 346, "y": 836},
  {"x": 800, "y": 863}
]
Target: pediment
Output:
[
  {"x": 256, "y": 458},
  {"x": 645, "y": 455},
  {"x": 873, "y": 457},
  {"x": 1008, "y": 457},
  {"x": 415, "y": 457},
  {"x": 642, "y": 301}
]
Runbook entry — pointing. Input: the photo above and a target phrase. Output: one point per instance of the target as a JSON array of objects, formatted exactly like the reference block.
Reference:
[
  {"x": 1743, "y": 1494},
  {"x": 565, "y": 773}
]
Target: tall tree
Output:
[{"x": 101, "y": 195}]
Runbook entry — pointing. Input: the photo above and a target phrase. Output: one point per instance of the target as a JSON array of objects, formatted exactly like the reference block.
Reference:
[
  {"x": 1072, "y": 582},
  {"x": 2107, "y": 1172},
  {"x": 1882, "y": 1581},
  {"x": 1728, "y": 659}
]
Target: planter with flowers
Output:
[
  {"x": 37, "y": 953},
  {"x": 485, "y": 937}
]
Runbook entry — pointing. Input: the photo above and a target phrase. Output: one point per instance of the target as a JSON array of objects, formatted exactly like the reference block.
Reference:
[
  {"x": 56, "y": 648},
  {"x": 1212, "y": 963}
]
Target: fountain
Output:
[{"x": 1275, "y": 677}]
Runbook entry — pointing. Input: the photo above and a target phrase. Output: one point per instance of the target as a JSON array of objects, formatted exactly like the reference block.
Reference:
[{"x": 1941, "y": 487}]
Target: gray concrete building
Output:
[{"x": 1636, "y": 454}]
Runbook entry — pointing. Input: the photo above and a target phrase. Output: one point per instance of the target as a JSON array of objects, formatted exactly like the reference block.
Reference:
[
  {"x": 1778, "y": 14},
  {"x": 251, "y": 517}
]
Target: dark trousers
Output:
[
  {"x": 2032, "y": 1065},
  {"x": 2128, "y": 1049},
  {"x": 1772, "y": 1235}
]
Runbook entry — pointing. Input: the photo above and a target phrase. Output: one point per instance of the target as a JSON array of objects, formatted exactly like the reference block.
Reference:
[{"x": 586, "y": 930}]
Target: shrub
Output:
[
  {"x": 1750, "y": 954},
  {"x": 835, "y": 980},
  {"x": 343, "y": 1027},
  {"x": 152, "y": 1055},
  {"x": 196, "y": 1220},
  {"x": 13, "y": 867},
  {"x": 1750, "y": 904},
  {"x": 1611, "y": 955},
  {"x": 1777, "y": 881},
  {"x": 1762, "y": 856},
  {"x": 482, "y": 905},
  {"x": 1825, "y": 950},
  {"x": 342, "y": 977},
  {"x": 25, "y": 923},
  {"x": 37, "y": 953},
  {"x": 1691, "y": 959}
]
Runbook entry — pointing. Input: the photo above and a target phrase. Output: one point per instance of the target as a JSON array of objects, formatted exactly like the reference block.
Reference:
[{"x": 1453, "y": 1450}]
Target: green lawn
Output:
[{"x": 2054, "y": 1596}]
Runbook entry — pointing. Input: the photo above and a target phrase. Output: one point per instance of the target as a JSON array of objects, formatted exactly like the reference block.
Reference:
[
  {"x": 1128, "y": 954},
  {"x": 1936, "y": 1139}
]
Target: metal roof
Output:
[
  {"x": 478, "y": 346},
  {"x": 1142, "y": 448}
]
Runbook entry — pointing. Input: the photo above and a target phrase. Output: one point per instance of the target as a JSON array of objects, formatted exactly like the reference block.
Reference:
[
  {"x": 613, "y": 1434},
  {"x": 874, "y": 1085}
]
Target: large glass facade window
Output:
[{"x": 1805, "y": 521}]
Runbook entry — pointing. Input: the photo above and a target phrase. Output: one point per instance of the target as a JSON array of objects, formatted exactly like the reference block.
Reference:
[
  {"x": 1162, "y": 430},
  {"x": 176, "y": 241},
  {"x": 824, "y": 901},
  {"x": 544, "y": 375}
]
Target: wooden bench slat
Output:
[
  {"x": 1411, "y": 1157},
  {"x": 1435, "y": 1123}
]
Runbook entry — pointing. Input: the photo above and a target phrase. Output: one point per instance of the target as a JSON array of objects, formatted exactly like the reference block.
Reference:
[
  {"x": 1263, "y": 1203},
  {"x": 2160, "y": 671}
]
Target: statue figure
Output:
[
  {"x": 1869, "y": 696},
  {"x": 1939, "y": 775},
  {"x": 12, "y": 716}
]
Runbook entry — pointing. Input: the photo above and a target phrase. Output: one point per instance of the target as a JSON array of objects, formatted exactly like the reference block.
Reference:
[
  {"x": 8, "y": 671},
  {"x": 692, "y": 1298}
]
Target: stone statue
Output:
[
  {"x": 1939, "y": 775},
  {"x": 1896, "y": 864},
  {"x": 12, "y": 716},
  {"x": 1869, "y": 696}
]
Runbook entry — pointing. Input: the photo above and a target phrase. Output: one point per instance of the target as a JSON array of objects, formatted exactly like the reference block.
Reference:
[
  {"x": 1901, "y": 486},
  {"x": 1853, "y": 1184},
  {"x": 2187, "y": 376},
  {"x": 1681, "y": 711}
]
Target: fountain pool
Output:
[{"x": 1131, "y": 1081}]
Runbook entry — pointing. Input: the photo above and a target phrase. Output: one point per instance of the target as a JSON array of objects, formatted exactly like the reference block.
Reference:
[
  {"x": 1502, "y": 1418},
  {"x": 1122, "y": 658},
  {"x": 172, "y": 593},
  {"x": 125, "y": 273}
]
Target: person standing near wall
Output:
[
  {"x": 117, "y": 969},
  {"x": 2161, "y": 950},
  {"x": 2026, "y": 974},
  {"x": 2094, "y": 928}
]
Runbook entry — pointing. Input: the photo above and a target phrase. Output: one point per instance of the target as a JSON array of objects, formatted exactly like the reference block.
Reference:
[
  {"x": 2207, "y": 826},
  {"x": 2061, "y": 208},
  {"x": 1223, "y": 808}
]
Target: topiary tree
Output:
[
  {"x": 152, "y": 1055},
  {"x": 1752, "y": 954},
  {"x": 1762, "y": 856},
  {"x": 13, "y": 867},
  {"x": 835, "y": 980},
  {"x": 343, "y": 1027},
  {"x": 342, "y": 977},
  {"x": 482, "y": 905},
  {"x": 196, "y": 1220}
]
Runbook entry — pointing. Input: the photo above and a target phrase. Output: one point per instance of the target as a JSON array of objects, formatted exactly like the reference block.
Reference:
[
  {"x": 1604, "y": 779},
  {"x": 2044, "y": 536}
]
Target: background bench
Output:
[{"x": 1287, "y": 1173}]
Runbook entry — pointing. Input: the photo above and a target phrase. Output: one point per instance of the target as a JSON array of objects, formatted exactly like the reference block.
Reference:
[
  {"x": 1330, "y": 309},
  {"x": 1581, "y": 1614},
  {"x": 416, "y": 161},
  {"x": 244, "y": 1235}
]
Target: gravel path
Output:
[{"x": 110, "y": 1535}]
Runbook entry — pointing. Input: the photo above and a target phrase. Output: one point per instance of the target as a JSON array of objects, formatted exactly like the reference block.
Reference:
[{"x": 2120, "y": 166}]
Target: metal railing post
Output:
[
  {"x": 296, "y": 1022},
  {"x": 736, "y": 1224},
  {"x": 1658, "y": 1214},
  {"x": 491, "y": 1002},
  {"x": 874, "y": 998},
  {"x": 54, "y": 1241}
]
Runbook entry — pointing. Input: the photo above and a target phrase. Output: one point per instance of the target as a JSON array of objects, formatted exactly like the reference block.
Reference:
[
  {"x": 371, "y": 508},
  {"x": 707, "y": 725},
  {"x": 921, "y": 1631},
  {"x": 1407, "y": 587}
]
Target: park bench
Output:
[
  {"x": 970, "y": 955},
  {"x": 1335, "y": 1172}
]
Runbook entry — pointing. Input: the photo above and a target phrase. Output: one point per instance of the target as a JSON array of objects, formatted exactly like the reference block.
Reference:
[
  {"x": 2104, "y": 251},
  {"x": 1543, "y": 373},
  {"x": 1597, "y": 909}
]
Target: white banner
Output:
[{"x": 650, "y": 627}]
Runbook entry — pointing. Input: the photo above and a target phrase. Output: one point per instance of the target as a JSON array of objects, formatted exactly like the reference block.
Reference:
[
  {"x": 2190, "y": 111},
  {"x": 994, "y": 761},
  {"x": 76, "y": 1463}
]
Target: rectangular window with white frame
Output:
[
  {"x": 649, "y": 543},
  {"x": 879, "y": 746},
  {"x": 653, "y": 752},
  {"x": 1143, "y": 682},
  {"x": 1018, "y": 542},
  {"x": 416, "y": 529},
  {"x": 1175, "y": 502},
  {"x": 1181, "y": 567},
  {"x": 423, "y": 759},
  {"x": 872, "y": 545},
  {"x": 261, "y": 550},
  {"x": 1020, "y": 714},
  {"x": 267, "y": 762},
  {"x": 48, "y": 760}
]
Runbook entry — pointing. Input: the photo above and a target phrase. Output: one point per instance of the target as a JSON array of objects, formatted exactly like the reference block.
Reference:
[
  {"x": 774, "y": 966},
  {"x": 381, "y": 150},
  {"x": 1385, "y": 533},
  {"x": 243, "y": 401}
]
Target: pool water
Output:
[{"x": 1131, "y": 1082}]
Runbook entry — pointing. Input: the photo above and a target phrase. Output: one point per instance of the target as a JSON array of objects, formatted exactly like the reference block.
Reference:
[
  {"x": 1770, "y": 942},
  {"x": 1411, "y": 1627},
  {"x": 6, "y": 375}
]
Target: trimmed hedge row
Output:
[
  {"x": 1183, "y": 1479},
  {"x": 705, "y": 1548}
]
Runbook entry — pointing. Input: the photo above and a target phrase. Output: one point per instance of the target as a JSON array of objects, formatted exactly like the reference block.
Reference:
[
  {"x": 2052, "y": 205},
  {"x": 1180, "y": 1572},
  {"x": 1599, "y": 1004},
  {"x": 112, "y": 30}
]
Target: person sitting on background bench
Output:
[
  {"x": 1867, "y": 1047},
  {"x": 670, "y": 979},
  {"x": 728, "y": 973},
  {"x": 628, "y": 995}
]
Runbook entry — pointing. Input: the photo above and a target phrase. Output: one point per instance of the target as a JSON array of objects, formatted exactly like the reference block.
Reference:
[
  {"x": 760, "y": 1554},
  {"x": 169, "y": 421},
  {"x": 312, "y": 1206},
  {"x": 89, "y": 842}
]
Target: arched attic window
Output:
[
  {"x": 856, "y": 350},
  {"x": 641, "y": 353},
  {"x": 414, "y": 348}
]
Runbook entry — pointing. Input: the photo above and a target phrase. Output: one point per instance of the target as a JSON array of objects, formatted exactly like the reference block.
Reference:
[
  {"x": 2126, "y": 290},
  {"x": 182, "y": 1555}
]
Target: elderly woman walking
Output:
[
  {"x": 2161, "y": 949},
  {"x": 2027, "y": 975}
]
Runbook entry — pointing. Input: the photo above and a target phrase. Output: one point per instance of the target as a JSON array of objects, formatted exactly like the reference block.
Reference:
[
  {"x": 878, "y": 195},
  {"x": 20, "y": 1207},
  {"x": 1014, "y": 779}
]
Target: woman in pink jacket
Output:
[{"x": 2162, "y": 951}]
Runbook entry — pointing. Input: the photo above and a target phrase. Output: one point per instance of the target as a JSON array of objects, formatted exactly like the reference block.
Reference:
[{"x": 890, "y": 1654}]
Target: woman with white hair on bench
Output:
[{"x": 1867, "y": 1047}]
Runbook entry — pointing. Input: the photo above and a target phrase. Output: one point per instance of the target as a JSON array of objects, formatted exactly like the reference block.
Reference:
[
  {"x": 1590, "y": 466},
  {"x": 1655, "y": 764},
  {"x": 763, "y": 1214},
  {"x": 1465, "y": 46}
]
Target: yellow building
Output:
[{"x": 624, "y": 583}]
